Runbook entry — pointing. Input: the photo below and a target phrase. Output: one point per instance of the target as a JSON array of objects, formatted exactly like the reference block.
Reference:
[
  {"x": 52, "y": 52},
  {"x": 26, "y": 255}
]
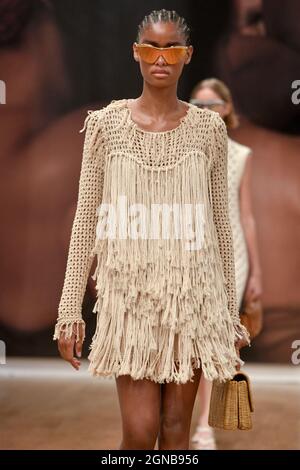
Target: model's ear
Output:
[
  {"x": 135, "y": 53},
  {"x": 189, "y": 55}
]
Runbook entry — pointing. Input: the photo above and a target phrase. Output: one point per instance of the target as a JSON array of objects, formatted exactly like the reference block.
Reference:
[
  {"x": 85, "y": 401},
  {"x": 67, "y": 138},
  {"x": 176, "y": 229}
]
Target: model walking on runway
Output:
[
  {"x": 213, "y": 94},
  {"x": 153, "y": 208}
]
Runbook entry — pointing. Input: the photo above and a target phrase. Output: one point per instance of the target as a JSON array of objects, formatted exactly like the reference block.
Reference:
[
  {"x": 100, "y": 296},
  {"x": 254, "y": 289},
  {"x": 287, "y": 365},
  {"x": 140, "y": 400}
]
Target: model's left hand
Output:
[{"x": 253, "y": 288}]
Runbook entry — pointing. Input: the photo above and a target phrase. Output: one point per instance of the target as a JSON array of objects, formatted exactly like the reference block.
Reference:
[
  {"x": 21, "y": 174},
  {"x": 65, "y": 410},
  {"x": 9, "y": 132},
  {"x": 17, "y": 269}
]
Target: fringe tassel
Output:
[
  {"x": 89, "y": 112},
  {"x": 67, "y": 328},
  {"x": 161, "y": 309}
]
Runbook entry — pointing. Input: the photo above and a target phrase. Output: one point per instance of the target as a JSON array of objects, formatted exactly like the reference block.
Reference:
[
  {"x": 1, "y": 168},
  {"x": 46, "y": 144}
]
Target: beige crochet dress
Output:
[
  {"x": 237, "y": 158},
  {"x": 162, "y": 309}
]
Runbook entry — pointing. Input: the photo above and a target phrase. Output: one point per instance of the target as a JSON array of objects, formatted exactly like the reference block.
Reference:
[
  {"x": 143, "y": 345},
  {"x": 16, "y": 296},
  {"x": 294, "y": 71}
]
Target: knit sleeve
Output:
[
  {"x": 83, "y": 230},
  {"x": 219, "y": 189}
]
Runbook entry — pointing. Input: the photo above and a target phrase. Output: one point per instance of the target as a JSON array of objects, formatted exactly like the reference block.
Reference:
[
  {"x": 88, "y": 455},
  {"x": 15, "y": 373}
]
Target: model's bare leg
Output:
[
  {"x": 177, "y": 402},
  {"x": 204, "y": 434},
  {"x": 205, "y": 387},
  {"x": 140, "y": 409}
]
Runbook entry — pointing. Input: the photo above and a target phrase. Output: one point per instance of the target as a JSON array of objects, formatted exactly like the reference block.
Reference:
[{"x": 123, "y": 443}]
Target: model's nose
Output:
[{"x": 161, "y": 60}]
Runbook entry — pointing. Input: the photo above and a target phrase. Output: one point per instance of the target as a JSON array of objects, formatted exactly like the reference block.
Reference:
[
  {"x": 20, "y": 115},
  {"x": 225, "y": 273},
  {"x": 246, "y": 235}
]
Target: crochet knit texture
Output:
[
  {"x": 237, "y": 158},
  {"x": 162, "y": 310}
]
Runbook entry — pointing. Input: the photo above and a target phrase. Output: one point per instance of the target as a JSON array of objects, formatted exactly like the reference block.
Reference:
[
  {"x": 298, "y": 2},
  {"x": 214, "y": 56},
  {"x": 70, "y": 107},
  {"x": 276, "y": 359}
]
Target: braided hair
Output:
[{"x": 165, "y": 16}]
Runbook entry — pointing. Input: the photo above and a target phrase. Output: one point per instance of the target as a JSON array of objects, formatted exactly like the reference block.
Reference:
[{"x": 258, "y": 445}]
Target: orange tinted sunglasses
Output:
[{"x": 150, "y": 54}]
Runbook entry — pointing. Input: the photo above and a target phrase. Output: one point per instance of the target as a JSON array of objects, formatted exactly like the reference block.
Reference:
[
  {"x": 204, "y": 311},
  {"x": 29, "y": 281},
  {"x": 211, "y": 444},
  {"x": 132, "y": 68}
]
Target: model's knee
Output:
[
  {"x": 174, "y": 428},
  {"x": 140, "y": 434}
]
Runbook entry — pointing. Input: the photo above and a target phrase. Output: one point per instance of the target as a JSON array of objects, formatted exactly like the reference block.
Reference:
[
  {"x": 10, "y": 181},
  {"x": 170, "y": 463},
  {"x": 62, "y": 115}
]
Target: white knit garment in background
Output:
[{"x": 237, "y": 158}]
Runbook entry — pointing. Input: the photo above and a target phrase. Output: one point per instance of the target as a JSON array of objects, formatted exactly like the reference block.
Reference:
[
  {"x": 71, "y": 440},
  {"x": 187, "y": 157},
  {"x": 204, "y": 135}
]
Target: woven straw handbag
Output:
[{"x": 231, "y": 404}]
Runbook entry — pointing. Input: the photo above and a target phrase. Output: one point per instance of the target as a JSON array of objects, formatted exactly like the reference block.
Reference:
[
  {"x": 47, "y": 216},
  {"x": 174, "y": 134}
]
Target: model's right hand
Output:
[{"x": 66, "y": 348}]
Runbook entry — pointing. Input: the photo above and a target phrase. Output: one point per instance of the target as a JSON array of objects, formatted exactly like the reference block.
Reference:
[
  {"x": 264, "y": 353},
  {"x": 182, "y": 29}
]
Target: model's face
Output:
[
  {"x": 160, "y": 73},
  {"x": 209, "y": 96}
]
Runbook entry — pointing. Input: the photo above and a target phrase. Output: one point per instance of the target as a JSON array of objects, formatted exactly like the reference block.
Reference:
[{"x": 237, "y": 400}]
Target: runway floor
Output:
[{"x": 45, "y": 404}]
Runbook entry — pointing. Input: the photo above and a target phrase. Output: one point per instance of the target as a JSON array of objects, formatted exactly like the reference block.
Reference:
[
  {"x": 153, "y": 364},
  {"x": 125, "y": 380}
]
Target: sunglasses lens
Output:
[
  {"x": 207, "y": 104},
  {"x": 174, "y": 55},
  {"x": 147, "y": 54},
  {"x": 151, "y": 54}
]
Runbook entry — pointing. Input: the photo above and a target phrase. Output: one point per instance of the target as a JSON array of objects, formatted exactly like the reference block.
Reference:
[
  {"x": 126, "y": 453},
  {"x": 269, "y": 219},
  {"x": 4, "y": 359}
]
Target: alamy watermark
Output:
[
  {"x": 296, "y": 354},
  {"x": 160, "y": 222},
  {"x": 2, "y": 352},
  {"x": 296, "y": 93},
  {"x": 2, "y": 92}
]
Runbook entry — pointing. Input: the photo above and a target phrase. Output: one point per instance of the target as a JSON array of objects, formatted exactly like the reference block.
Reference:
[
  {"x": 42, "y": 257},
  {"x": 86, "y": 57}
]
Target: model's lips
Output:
[{"x": 161, "y": 73}]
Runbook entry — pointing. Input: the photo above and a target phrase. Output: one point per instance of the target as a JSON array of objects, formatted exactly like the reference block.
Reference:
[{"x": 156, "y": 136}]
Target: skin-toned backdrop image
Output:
[{"x": 59, "y": 59}]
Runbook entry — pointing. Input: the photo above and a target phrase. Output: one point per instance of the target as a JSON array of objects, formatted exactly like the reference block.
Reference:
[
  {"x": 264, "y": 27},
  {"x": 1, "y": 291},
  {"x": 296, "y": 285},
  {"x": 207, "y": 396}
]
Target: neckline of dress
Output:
[{"x": 168, "y": 131}]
